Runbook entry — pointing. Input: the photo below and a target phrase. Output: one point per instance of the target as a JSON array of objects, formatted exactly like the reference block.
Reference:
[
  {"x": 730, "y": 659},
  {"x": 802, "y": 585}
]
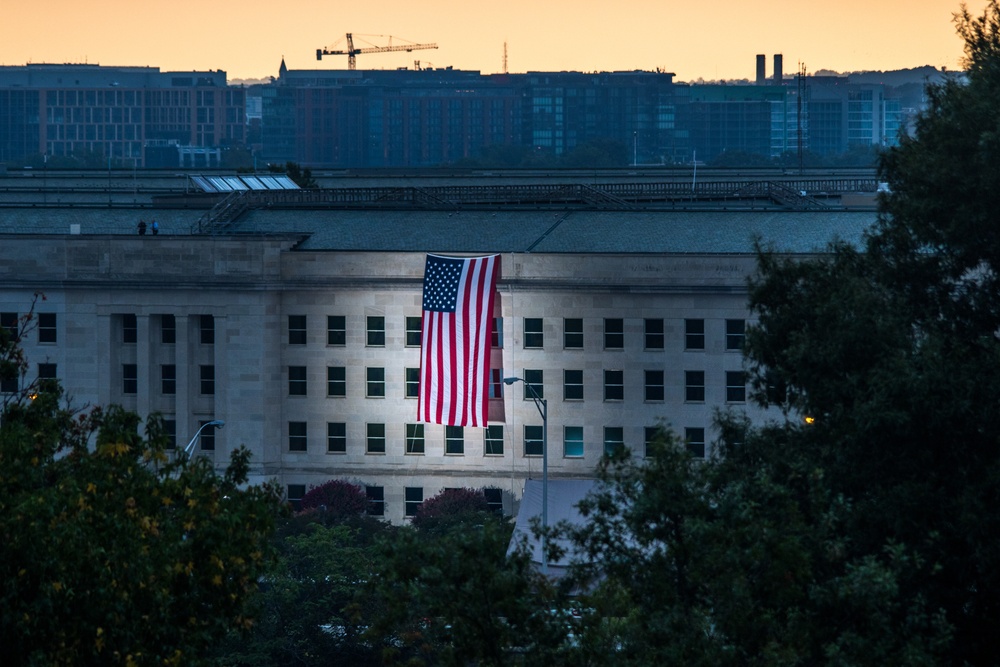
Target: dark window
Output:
[
  {"x": 695, "y": 440},
  {"x": 375, "y": 382},
  {"x": 454, "y": 440},
  {"x": 336, "y": 331},
  {"x": 533, "y": 377},
  {"x": 614, "y": 385},
  {"x": 614, "y": 440},
  {"x": 297, "y": 436},
  {"x": 533, "y": 336},
  {"x": 614, "y": 334},
  {"x": 413, "y": 331},
  {"x": 654, "y": 385},
  {"x": 735, "y": 334},
  {"x": 497, "y": 338},
  {"x": 694, "y": 334},
  {"x": 130, "y": 379},
  {"x": 493, "y": 443},
  {"x": 336, "y": 381},
  {"x": 206, "y": 441},
  {"x": 296, "y": 329},
  {"x": 336, "y": 437},
  {"x": 130, "y": 328},
  {"x": 375, "y": 439},
  {"x": 494, "y": 499},
  {"x": 168, "y": 329},
  {"x": 573, "y": 385},
  {"x": 573, "y": 333},
  {"x": 295, "y": 493},
  {"x": 654, "y": 334},
  {"x": 414, "y": 498},
  {"x": 47, "y": 372},
  {"x": 532, "y": 440},
  {"x": 46, "y": 327},
  {"x": 414, "y": 438},
  {"x": 170, "y": 428},
  {"x": 376, "y": 500},
  {"x": 9, "y": 322},
  {"x": 207, "y": 380},
  {"x": 206, "y": 327},
  {"x": 651, "y": 434},
  {"x": 297, "y": 382},
  {"x": 694, "y": 386},
  {"x": 168, "y": 379},
  {"x": 412, "y": 383},
  {"x": 375, "y": 332},
  {"x": 736, "y": 387},
  {"x": 573, "y": 441}
]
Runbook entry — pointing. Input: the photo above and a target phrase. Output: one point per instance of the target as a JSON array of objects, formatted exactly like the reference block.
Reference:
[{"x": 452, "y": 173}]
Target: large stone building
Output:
[{"x": 297, "y": 323}]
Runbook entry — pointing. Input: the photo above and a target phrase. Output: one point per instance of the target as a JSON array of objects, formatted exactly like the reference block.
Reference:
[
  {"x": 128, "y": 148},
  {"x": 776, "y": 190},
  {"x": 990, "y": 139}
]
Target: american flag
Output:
[{"x": 456, "y": 339}]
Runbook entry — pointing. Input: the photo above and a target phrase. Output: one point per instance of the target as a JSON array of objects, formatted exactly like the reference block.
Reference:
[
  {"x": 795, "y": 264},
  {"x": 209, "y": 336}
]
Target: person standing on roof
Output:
[
  {"x": 155, "y": 228},
  {"x": 142, "y": 228}
]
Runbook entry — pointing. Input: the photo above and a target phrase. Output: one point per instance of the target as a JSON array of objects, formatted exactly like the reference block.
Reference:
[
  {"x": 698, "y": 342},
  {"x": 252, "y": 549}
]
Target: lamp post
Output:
[
  {"x": 543, "y": 410},
  {"x": 217, "y": 423}
]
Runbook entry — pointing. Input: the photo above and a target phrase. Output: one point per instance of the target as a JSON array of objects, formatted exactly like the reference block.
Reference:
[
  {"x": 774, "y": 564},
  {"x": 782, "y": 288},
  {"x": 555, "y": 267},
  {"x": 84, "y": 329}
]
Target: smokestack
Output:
[
  {"x": 761, "y": 74},
  {"x": 778, "y": 74}
]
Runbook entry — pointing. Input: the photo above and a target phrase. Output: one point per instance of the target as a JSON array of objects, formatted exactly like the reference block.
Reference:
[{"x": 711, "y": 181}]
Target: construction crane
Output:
[{"x": 351, "y": 52}]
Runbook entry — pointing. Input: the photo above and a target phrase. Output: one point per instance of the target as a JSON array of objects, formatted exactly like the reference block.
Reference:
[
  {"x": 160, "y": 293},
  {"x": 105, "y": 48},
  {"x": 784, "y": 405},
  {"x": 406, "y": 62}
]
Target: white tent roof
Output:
[{"x": 564, "y": 496}]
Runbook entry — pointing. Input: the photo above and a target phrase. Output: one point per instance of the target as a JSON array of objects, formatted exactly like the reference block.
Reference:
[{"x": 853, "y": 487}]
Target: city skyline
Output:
[{"x": 250, "y": 43}]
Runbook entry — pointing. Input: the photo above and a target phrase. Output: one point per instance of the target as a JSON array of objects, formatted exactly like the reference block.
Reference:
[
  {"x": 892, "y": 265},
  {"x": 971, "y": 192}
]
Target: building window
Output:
[
  {"x": 375, "y": 382},
  {"x": 497, "y": 338},
  {"x": 572, "y": 385},
  {"x": 694, "y": 386},
  {"x": 295, "y": 494},
  {"x": 532, "y": 440},
  {"x": 694, "y": 334},
  {"x": 336, "y": 438},
  {"x": 411, "y": 384},
  {"x": 376, "y": 500},
  {"x": 297, "y": 436},
  {"x": 414, "y": 438},
  {"x": 375, "y": 332},
  {"x": 130, "y": 379},
  {"x": 297, "y": 382},
  {"x": 414, "y": 497},
  {"x": 47, "y": 372},
  {"x": 493, "y": 440},
  {"x": 654, "y": 334},
  {"x": 533, "y": 377},
  {"x": 533, "y": 336},
  {"x": 735, "y": 334},
  {"x": 695, "y": 440},
  {"x": 614, "y": 385},
  {"x": 454, "y": 440},
  {"x": 9, "y": 322},
  {"x": 130, "y": 328},
  {"x": 413, "y": 331},
  {"x": 654, "y": 385},
  {"x": 168, "y": 329},
  {"x": 573, "y": 333},
  {"x": 170, "y": 429},
  {"x": 207, "y": 329},
  {"x": 496, "y": 383},
  {"x": 736, "y": 387},
  {"x": 336, "y": 330},
  {"x": 614, "y": 440},
  {"x": 651, "y": 435},
  {"x": 206, "y": 440},
  {"x": 375, "y": 438},
  {"x": 46, "y": 327},
  {"x": 207, "y": 380},
  {"x": 614, "y": 334},
  {"x": 494, "y": 499},
  {"x": 573, "y": 441},
  {"x": 168, "y": 379},
  {"x": 336, "y": 381},
  {"x": 296, "y": 329}
]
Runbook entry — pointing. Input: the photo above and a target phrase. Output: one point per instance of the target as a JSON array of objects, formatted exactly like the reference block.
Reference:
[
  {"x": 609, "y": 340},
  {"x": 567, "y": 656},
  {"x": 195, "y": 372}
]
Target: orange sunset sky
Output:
[{"x": 710, "y": 39}]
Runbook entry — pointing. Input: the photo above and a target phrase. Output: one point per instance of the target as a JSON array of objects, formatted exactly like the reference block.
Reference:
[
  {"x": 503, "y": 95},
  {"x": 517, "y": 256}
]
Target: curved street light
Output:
[
  {"x": 217, "y": 423},
  {"x": 543, "y": 410}
]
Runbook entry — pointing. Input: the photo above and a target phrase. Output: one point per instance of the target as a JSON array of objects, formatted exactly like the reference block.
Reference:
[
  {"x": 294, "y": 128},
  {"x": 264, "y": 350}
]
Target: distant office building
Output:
[
  {"x": 126, "y": 116},
  {"x": 843, "y": 115}
]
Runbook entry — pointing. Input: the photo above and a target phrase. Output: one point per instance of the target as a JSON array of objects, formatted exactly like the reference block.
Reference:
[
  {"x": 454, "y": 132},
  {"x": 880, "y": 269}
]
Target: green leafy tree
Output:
[{"x": 114, "y": 550}]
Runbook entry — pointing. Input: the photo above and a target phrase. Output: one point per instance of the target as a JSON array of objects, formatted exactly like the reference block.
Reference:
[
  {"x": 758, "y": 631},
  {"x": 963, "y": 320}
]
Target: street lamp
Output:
[
  {"x": 217, "y": 423},
  {"x": 543, "y": 410}
]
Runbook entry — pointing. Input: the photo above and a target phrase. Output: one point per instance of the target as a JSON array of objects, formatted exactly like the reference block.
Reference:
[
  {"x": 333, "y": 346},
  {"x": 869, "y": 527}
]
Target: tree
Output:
[
  {"x": 336, "y": 498},
  {"x": 115, "y": 550},
  {"x": 451, "y": 506}
]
